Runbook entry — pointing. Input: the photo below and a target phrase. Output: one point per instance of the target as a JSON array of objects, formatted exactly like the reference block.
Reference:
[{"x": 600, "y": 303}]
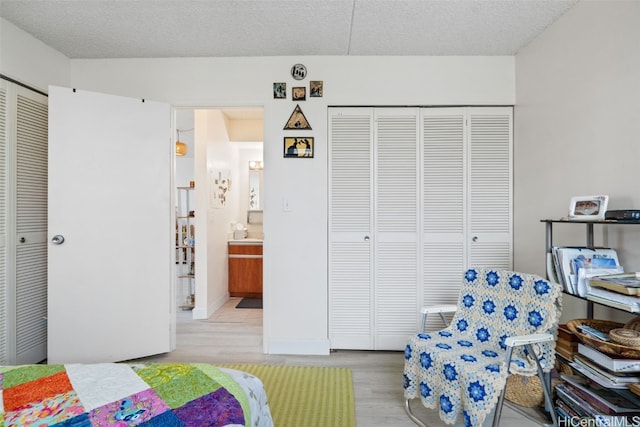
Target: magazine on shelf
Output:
[
  {"x": 575, "y": 403},
  {"x": 564, "y": 410},
  {"x": 615, "y": 377},
  {"x": 607, "y": 400},
  {"x": 622, "y": 283},
  {"x": 630, "y": 303},
  {"x": 614, "y": 364},
  {"x": 552, "y": 273},
  {"x": 575, "y": 264},
  {"x": 588, "y": 370}
]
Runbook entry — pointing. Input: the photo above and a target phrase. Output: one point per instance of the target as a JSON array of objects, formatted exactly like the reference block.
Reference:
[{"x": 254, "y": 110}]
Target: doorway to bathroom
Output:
[{"x": 223, "y": 164}]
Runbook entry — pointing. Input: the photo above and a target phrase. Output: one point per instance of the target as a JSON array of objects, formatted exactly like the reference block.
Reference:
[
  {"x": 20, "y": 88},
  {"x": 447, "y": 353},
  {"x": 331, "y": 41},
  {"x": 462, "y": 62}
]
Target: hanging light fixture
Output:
[{"x": 181, "y": 147}]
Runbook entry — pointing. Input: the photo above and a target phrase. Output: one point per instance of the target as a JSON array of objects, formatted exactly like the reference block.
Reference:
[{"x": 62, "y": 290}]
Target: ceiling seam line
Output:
[{"x": 353, "y": 13}]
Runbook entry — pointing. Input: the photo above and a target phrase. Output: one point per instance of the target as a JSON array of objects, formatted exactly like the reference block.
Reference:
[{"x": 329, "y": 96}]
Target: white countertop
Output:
[{"x": 247, "y": 241}]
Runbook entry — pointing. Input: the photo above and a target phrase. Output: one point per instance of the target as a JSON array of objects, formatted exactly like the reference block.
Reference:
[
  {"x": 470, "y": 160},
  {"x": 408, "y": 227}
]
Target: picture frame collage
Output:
[{"x": 299, "y": 146}]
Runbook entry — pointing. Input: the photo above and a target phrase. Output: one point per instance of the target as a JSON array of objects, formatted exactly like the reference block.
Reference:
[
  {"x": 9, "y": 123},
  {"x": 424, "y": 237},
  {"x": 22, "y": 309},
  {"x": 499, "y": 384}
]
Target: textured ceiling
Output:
[{"x": 224, "y": 28}]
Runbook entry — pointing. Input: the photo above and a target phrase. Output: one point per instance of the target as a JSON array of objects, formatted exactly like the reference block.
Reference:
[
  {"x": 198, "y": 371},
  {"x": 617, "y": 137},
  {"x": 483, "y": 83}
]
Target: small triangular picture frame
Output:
[{"x": 297, "y": 120}]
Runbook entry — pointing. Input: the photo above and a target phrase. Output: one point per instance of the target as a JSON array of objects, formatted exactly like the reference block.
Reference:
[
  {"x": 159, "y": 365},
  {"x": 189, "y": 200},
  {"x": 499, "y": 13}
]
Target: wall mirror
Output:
[{"x": 255, "y": 185}]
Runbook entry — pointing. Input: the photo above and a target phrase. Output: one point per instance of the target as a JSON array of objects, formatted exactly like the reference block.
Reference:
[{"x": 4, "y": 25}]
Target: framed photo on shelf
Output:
[
  {"x": 588, "y": 207},
  {"x": 298, "y": 147}
]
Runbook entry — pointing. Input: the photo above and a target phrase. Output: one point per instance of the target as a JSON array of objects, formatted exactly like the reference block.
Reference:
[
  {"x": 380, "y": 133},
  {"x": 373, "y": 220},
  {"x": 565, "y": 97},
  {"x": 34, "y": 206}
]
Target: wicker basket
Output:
[
  {"x": 624, "y": 336},
  {"x": 526, "y": 391},
  {"x": 608, "y": 347},
  {"x": 633, "y": 324}
]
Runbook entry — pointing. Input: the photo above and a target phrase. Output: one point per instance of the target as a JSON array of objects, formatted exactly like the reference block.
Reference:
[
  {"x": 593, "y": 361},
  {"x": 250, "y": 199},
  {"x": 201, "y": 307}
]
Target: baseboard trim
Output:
[
  {"x": 201, "y": 313},
  {"x": 301, "y": 347}
]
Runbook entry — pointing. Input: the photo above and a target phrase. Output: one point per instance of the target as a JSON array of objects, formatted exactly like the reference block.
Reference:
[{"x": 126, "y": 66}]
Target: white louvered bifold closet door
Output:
[
  {"x": 4, "y": 336},
  {"x": 396, "y": 163},
  {"x": 490, "y": 187},
  {"x": 31, "y": 226},
  {"x": 417, "y": 195},
  {"x": 443, "y": 206},
  {"x": 350, "y": 228}
]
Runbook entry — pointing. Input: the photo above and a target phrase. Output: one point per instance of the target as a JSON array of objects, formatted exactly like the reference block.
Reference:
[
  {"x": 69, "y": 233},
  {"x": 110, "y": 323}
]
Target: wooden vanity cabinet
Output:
[{"x": 245, "y": 269}]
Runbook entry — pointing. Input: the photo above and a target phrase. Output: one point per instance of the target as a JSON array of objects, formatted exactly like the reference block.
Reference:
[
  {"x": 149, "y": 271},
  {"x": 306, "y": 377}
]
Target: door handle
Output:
[
  {"x": 57, "y": 239},
  {"x": 366, "y": 238},
  {"x": 23, "y": 240}
]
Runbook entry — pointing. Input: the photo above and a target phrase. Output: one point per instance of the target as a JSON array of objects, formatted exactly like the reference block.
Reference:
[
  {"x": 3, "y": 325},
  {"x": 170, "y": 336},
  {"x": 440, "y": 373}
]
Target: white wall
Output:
[
  {"x": 577, "y": 131},
  {"x": 213, "y": 152},
  {"x": 29, "y": 61}
]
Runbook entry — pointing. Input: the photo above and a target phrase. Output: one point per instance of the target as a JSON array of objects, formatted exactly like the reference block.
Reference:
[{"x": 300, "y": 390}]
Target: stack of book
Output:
[
  {"x": 620, "y": 290},
  {"x": 567, "y": 343},
  {"x": 622, "y": 283},
  {"x": 599, "y": 387}
]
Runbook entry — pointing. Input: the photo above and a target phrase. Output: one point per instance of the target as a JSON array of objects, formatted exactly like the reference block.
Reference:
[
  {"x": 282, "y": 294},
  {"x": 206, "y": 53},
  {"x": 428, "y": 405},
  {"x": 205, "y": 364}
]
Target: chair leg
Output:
[
  {"x": 498, "y": 412},
  {"x": 412, "y": 417},
  {"x": 444, "y": 319},
  {"x": 545, "y": 380}
]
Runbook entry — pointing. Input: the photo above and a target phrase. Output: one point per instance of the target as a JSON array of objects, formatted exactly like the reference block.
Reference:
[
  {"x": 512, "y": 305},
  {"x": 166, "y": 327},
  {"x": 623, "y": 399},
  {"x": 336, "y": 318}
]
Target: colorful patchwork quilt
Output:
[{"x": 119, "y": 395}]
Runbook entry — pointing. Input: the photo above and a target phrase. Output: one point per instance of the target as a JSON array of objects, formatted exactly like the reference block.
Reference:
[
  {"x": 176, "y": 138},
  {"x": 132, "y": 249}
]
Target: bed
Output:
[{"x": 120, "y": 394}]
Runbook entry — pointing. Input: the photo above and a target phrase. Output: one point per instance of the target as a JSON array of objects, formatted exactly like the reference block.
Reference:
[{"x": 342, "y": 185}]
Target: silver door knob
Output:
[
  {"x": 475, "y": 238},
  {"x": 366, "y": 238},
  {"x": 57, "y": 239}
]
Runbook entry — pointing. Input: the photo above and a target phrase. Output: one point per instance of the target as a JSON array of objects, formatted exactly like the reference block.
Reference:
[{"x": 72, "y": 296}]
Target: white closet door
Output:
[
  {"x": 31, "y": 226},
  {"x": 490, "y": 187},
  {"x": 23, "y": 225},
  {"x": 350, "y": 228},
  {"x": 444, "y": 255},
  {"x": 396, "y": 226},
  {"x": 441, "y": 182},
  {"x": 4, "y": 336}
]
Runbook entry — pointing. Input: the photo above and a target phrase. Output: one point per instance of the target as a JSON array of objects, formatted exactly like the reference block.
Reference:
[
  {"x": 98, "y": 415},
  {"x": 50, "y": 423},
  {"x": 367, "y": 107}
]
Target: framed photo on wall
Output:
[
  {"x": 588, "y": 207},
  {"x": 298, "y": 147},
  {"x": 279, "y": 91},
  {"x": 299, "y": 93},
  {"x": 315, "y": 88}
]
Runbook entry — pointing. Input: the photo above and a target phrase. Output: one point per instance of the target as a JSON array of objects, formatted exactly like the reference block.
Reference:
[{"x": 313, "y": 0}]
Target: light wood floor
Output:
[{"x": 234, "y": 335}]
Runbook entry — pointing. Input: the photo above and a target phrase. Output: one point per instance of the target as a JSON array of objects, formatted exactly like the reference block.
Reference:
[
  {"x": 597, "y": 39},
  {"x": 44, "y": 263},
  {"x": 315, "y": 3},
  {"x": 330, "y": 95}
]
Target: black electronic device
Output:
[{"x": 631, "y": 215}]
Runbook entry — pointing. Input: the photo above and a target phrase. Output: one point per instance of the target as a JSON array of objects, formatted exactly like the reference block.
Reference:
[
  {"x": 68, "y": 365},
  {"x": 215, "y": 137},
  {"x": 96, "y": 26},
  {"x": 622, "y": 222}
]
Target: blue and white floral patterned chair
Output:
[{"x": 503, "y": 318}]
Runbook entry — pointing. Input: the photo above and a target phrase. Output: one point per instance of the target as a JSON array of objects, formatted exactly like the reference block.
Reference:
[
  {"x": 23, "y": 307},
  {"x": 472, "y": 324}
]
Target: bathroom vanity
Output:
[{"x": 245, "y": 268}]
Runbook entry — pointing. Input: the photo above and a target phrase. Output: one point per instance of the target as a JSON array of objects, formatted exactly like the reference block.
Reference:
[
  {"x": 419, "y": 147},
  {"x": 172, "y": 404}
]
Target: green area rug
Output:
[{"x": 302, "y": 396}]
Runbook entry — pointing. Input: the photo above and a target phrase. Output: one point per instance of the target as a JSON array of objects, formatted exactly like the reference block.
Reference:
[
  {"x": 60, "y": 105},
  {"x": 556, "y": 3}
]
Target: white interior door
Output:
[{"x": 110, "y": 198}]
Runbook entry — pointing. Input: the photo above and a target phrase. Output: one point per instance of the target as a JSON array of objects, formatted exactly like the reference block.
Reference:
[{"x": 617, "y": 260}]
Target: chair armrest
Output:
[
  {"x": 447, "y": 308},
  {"x": 527, "y": 339}
]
